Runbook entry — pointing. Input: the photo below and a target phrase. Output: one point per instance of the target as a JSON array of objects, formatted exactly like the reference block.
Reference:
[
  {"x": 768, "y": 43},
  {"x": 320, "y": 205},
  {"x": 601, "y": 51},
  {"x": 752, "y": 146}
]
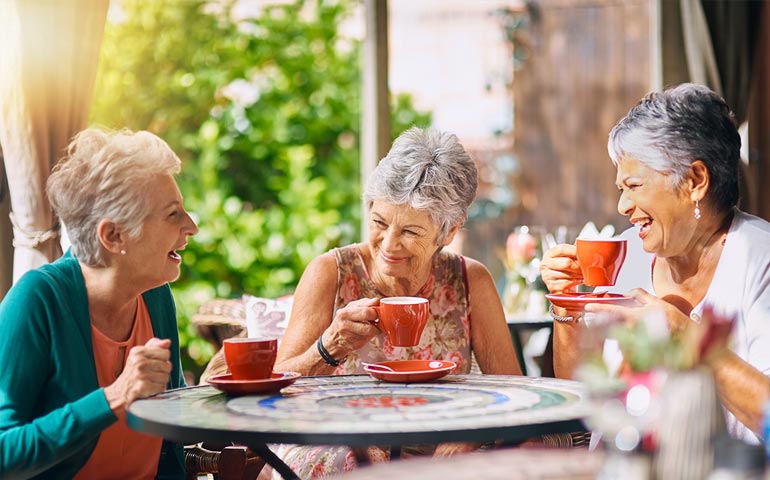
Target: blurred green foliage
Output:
[{"x": 264, "y": 111}]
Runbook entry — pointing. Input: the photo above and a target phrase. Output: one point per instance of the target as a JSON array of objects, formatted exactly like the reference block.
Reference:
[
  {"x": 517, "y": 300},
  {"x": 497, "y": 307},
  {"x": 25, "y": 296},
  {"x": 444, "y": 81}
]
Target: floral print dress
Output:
[
  {"x": 447, "y": 333},
  {"x": 446, "y": 337}
]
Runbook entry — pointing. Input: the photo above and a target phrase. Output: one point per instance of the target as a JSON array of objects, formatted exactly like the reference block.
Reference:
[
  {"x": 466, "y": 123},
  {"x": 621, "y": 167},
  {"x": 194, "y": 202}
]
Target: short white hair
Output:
[{"x": 107, "y": 175}]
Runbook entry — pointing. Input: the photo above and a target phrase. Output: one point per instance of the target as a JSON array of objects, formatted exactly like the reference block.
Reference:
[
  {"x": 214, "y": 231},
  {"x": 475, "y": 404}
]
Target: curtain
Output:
[
  {"x": 6, "y": 248},
  {"x": 716, "y": 41},
  {"x": 48, "y": 61}
]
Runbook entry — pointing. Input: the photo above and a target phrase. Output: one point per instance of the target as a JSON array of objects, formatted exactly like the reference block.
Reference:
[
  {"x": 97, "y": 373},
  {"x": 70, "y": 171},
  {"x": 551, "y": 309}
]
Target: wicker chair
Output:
[
  {"x": 228, "y": 463},
  {"x": 216, "y": 321},
  {"x": 220, "y": 319}
]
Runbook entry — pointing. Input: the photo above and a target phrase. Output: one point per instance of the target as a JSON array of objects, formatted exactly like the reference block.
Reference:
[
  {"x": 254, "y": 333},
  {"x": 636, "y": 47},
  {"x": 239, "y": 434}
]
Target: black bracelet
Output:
[{"x": 325, "y": 353}]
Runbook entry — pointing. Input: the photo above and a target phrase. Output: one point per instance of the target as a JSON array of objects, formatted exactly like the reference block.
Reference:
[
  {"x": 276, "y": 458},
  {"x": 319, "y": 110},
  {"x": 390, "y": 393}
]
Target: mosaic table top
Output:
[{"x": 360, "y": 410}]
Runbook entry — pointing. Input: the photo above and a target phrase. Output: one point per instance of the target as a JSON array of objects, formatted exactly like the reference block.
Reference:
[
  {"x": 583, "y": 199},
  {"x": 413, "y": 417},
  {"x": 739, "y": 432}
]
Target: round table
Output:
[{"x": 358, "y": 410}]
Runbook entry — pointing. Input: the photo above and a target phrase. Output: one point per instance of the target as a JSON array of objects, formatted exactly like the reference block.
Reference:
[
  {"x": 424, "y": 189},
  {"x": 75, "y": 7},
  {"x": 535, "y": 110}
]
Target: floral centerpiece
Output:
[
  {"x": 524, "y": 291},
  {"x": 632, "y": 404}
]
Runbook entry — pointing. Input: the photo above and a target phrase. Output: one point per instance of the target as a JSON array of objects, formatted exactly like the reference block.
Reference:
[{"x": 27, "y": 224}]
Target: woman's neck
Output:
[
  {"x": 112, "y": 303},
  {"x": 391, "y": 286},
  {"x": 701, "y": 258}
]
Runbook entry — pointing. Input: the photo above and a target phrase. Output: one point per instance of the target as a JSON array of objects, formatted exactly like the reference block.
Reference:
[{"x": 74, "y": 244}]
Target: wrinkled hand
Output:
[
  {"x": 353, "y": 326},
  {"x": 147, "y": 371},
  {"x": 648, "y": 303},
  {"x": 560, "y": 270},
  {"x": 450, "y": 449},
  {"x": 707, "y": 341}
]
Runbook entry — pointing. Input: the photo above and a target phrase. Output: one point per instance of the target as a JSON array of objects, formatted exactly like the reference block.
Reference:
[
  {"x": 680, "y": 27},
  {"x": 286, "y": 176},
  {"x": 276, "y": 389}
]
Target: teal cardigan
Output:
[{"x": 52, "y": 410}]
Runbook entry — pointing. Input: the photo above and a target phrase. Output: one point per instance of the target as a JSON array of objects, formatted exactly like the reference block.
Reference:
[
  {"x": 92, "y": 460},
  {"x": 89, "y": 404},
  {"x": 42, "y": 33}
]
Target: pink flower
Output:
[
  {"x": 444, "y": 301},
  {"x": 391, "y": 352},
  {"x": 425, "y": 353},
  {"x": 428, "y": 287},
  {"x": 520, "y": 247},
  {"x": 454, "y": 356},
  {"x": 350, "y": 462},
  {"x": 350, "y": 290}
]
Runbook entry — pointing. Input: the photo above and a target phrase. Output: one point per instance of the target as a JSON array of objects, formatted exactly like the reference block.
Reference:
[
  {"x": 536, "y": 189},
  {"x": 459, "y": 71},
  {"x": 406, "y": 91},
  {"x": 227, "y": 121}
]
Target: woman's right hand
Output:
[
  {"x": 560, "y": 269},
  {"x": 147, "y": 372},
  {"x": 352, "y": 326}
]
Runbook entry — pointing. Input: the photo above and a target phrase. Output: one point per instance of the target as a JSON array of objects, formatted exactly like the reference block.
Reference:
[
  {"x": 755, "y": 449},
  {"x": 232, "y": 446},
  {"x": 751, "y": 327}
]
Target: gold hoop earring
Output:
[{"x": 697, "y": 210}]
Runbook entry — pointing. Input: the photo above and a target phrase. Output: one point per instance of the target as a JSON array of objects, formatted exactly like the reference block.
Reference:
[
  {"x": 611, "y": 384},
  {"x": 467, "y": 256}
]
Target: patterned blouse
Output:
[
  {"x": 447, "y": 333},
  {"x": 446, "y": 337}
]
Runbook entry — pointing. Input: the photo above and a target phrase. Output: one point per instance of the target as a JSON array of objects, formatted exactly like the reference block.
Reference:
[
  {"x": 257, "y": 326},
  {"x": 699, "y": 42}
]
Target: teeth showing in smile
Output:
[
  {"x": 175, "y": 255},
  {"x": 643, "y": 226}
]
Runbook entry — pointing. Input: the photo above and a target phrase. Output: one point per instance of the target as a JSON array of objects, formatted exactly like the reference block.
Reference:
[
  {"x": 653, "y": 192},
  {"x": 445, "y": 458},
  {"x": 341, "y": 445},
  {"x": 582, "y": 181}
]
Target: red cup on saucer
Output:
[
  {"x": 250, "y": 358},
  {"x": 600, "y": 260},
  {"x": 403, "y": 319}
]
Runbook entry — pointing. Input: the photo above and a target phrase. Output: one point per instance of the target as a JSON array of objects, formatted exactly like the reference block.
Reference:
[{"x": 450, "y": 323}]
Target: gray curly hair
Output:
[
  {"x": 106, "y": 175},
  {"x": 669, "y": 130},
  {"x": 428, "y": 170}
]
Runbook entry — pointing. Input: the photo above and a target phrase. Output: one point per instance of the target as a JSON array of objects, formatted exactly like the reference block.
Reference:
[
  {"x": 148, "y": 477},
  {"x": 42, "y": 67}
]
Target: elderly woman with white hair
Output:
[
  {"x": 418, "y": 198},
  {"x": 83, "y": 337},
  {"x": 677, "y": 155}
]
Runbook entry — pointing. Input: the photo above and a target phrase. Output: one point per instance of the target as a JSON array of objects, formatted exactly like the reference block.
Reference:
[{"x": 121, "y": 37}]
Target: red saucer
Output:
[
  {"x": 248, "y": 387},
  {"x": 409, "y": 371},
  {"x": 576, "y": 302}
]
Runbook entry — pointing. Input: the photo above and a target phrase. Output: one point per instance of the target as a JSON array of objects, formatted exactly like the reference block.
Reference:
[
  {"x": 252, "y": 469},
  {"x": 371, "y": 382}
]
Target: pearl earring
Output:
[
  {"x": 122, "y": 252},
  {"x": 697, "y": 210}
]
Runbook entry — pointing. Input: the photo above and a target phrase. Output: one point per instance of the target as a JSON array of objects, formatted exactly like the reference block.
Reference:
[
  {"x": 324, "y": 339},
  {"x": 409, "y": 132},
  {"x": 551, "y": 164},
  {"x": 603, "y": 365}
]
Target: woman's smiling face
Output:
[
  {"x": 662, "y": 212},
  {"x": 155, "y": 254},
  {"x": 402, "y": 239}
]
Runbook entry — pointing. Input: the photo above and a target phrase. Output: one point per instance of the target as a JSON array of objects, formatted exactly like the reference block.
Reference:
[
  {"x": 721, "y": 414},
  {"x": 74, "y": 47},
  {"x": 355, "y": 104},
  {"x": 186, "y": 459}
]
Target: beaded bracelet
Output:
[
  {"x": 565, "y": 319},
  {"x": 327, "y": 357}
]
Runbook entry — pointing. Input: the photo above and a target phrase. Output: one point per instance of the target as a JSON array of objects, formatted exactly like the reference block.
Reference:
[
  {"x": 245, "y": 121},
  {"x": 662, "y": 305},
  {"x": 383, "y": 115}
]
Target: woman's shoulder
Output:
[
  {"x": 748, "y": 240},
  {"x": 750, "y": 228},
  {"x": 325, "y": 266},
  {"x": 472, "y": 268},
  {"x": 62, "y": 274}
]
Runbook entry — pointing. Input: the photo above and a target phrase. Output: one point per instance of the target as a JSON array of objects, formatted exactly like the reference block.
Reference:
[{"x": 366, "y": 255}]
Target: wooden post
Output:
[
  {"x": 6, "y": 235},
  {"x": 375, "y": 109},
  {"x": 656, "y": 45},
  {"x": 759, "y": 122}
]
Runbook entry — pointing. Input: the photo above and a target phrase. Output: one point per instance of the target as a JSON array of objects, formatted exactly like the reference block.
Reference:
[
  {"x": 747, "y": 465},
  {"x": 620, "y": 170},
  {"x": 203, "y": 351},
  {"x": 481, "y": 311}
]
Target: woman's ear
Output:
[
  {"x": 110, "y": 236},
  {"x": 698, "y": 180},
  {"x": 450, "y": 236}
]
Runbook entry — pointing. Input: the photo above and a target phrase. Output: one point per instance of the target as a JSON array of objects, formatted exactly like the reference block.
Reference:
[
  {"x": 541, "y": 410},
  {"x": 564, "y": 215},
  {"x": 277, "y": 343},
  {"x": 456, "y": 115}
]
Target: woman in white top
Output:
[{"x": 677, "y": 159}]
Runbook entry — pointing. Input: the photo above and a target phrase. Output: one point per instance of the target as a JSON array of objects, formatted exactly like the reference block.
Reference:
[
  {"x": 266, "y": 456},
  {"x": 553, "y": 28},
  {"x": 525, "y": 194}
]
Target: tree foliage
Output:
[{"x": 263, "y": 108}]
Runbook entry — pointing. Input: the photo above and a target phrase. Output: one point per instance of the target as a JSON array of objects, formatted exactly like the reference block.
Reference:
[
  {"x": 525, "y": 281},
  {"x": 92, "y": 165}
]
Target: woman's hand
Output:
[
  {"x": 147, "y": 372},
  {"x": 560, "y": 269},
  {"x": 648, "y": 303},
  {"x": 450, "y": 449},
  {"x": 352, "y": 326}
]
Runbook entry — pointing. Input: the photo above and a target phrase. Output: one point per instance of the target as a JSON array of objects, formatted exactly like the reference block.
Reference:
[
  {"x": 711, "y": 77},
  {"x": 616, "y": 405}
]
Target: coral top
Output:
[
  {"x": 447, "y": 333},
  {"x": 121, "y": 452}
]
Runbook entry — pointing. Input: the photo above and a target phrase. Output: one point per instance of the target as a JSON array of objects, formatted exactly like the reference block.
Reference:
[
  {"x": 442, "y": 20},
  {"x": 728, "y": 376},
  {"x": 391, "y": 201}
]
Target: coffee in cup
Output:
[
  {"x": 403, "y": 319},
  {"x": 250, "y": 358},
  {"x": 600, "y": 260}
]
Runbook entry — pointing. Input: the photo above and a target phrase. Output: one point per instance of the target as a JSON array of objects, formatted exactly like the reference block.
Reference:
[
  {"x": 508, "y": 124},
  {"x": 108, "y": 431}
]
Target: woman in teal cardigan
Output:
[{"x": 83, "y": 337}]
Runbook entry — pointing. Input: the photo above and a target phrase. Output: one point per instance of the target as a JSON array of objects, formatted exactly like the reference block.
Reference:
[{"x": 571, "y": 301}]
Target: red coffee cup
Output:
[
  {"x": 600, "y": 260},
  {"x": 403, "y": 319},
  {"x": 250, "y": 358}
]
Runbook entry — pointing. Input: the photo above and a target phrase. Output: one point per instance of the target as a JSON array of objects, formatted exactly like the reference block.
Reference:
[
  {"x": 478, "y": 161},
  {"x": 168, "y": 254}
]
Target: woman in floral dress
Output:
[{"x": 418, "y": 197}]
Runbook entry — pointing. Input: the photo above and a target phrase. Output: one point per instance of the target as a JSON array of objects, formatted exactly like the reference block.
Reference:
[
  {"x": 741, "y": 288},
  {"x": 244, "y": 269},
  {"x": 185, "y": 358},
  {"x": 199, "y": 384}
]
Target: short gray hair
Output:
[
  {"x": 669, "y": 130},
  {"x": 428, "y": 170},
  {"x": 106, "y": 175}
]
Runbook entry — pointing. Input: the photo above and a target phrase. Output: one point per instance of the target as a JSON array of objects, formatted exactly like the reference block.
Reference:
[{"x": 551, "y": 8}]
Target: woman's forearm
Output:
[
  {"x": 743, "y": 389},
  {"x": 566, "y": 353}
]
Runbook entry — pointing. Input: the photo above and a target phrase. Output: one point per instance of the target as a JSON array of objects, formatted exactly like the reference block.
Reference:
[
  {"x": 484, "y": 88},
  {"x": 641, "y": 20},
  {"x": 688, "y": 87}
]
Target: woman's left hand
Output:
[
  {"x": 450, "y": 449},
  {"x": 677, "y": 321}
]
